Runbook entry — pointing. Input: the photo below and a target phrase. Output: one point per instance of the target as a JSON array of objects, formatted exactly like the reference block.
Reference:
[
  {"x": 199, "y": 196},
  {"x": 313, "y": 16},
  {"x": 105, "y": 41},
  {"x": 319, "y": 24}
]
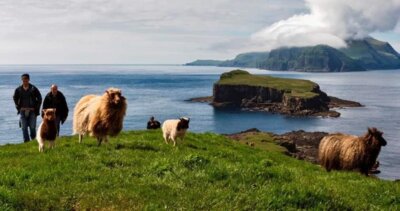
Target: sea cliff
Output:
[{"x": 240, "y": 89}]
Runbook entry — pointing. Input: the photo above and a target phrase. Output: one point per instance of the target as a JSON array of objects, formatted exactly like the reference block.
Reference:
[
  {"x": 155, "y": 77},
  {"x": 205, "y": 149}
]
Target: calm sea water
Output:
[{"x": 161, "y": 90}]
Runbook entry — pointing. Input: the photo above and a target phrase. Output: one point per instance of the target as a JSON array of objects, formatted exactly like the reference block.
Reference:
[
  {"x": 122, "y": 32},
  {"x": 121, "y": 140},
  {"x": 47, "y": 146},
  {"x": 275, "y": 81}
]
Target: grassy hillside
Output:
[
  {"x": 251, "y": 59},
  {"x": 372, "y": 53},
  {"x": 204, "y": 63},
  {"x": 138, "y": 171},
  {"x": 359, "y": 55},
  {"x": 294, "y": 87},
  {"x": 320, "y": 58}
]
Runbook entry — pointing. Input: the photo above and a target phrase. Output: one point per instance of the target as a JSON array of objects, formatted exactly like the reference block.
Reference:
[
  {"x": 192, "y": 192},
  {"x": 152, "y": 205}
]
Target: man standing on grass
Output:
[
  {"x": 27, "y": 99},
  {"x": 55, "y": 99}
]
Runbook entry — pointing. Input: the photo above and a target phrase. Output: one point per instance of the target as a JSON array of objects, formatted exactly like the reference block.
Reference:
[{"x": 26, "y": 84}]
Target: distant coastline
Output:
[{"x": 359, "y": 55}]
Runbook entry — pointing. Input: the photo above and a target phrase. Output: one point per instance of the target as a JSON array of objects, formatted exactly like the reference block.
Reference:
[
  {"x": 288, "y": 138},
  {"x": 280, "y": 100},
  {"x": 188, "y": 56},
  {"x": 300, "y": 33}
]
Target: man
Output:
[
  {"x": 27, "y": 99},
  {"x": 153, "y": 124},
  {"x": 55, "y": 99}
]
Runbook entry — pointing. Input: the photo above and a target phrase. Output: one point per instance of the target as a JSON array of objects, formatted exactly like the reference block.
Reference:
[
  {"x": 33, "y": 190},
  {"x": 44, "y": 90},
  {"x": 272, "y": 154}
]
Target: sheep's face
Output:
[
  {"x": 115, "y": 97},
  {"x": 183, "y": 123},
  {"x": 49, "y": 114},
  {"x": 377, "y": 135}
]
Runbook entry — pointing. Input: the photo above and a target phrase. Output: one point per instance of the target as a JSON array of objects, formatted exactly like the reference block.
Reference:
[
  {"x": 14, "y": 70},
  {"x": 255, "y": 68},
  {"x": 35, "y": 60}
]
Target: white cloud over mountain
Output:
[{"x": 331, "y": 22}]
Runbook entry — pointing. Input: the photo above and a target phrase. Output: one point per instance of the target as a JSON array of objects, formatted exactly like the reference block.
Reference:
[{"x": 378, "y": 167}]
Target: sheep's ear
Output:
[
  {"x": 44, "y": 110},
  {"x": 370, "y": 130}
]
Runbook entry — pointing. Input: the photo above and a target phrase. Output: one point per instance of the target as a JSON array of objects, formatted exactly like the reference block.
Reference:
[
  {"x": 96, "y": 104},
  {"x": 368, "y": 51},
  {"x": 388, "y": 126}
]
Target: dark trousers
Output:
[
  {"x": 28, "y": 121},
  {"x": 58, "y": 121}
]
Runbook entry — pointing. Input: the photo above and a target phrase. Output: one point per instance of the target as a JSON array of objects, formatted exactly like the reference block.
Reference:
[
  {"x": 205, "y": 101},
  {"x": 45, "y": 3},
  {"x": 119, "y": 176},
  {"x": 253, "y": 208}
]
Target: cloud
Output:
[
  {"x": 177, "y": 31},
  {"x": 331, "y": 22},
  {"x": 125, "y": 31}
]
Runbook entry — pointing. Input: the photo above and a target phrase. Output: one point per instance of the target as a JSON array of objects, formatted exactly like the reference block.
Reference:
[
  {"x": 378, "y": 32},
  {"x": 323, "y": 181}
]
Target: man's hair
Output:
[{"x": 25, "y": 75}]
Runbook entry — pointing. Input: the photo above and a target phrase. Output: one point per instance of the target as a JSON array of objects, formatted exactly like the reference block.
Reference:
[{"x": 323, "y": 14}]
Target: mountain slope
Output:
[
  {"x": 359, "y": 55},
  {"x": 252, "y": 59},
  {"x": 372, "y": 53},
  {"x": 320, "y": 58},
  {"x": 205, "y": 62}
]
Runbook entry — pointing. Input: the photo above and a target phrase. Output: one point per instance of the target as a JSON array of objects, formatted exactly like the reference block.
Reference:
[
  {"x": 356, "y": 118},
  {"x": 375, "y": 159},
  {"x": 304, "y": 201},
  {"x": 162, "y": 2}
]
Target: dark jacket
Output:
[
  {"x": 36, "y": 98},
  {"x": 153, "y": 124},
  {"x": 59, "y": 103}
]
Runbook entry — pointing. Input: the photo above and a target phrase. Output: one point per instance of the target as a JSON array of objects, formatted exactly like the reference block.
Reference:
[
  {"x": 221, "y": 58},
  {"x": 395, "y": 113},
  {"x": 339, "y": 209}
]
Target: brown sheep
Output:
[
  {"x": 47, "y": 130},
  {"x": 100, "y": 116},
  {"x": 348, "y": 152}
]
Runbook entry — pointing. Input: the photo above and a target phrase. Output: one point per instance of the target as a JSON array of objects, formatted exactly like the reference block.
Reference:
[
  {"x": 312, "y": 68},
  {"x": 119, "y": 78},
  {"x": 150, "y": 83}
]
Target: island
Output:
[
  {"x": 294, "y": 97},
  {"x": 358, "y": 55}
]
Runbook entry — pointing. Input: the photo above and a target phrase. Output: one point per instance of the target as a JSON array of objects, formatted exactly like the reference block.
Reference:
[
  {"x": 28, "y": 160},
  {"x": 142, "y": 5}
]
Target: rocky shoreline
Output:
[
  {"x": 280, "y": 108},
  {"x": 293, "y": 97},
  {"x": 299, "y": 144}
]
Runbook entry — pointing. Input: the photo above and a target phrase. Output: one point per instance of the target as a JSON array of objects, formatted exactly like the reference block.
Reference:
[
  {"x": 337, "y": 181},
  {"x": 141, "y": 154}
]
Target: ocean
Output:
[{"x": 161, "y": 91}]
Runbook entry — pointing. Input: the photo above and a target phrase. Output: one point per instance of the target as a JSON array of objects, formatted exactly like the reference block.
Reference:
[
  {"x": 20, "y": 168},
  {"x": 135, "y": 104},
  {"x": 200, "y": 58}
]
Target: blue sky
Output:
[{"x": 171, "y": 31}]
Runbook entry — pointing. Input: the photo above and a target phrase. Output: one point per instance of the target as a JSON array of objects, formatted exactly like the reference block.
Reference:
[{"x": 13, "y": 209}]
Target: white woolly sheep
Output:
[
  {"x": 100, "y": 116},
  {"x": 175, "y": 128}
]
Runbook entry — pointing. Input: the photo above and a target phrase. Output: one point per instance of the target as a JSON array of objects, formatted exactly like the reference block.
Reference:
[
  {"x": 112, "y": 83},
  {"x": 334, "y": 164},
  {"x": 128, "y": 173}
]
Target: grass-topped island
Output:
[
  {"x": 137, "y": 171},
  {"x": 241, "y": 89}
]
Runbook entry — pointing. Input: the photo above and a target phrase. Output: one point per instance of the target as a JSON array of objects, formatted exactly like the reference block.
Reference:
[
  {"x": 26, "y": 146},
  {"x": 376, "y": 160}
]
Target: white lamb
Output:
[{"x": 175, "y": 128}]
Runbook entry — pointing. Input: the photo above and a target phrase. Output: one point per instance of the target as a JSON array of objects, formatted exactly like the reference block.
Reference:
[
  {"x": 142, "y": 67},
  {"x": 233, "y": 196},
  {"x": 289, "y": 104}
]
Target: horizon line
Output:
[{"x": 147, "y": 64}]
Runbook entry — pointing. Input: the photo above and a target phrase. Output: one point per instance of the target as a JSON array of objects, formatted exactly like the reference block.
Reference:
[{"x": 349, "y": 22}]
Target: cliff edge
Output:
[{"x": 295, "y": 97}]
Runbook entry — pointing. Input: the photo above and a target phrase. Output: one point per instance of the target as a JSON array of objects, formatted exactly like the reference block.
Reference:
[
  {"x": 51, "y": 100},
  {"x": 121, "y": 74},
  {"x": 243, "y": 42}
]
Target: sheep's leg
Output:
[
  {"x": 51, "y": 143},
  {"x": 173, "y": 140},
  {"x": 166, "y": 138},
  {"x": 328, "y": 166},
  {"x": 365, "y": 171},
  {"x": 99, "y": 140},
  {"x": 41, "y": 147},
  {"x": 80, "y": 138},
  {"x": 41, "y": 143},
  {"x": 106, "y": 139}
]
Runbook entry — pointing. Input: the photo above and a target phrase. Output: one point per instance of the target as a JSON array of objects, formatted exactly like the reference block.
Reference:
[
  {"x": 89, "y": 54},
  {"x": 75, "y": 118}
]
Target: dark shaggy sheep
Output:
[{"x": 348, "y": 152}]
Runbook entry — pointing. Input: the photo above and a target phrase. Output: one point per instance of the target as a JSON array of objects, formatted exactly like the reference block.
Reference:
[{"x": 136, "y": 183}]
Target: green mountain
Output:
[
  {"x": 252, "y": 59},
  {"x": 200, "y": 62},
  {"x": 359, "y": 55},
  {"x": 320, "y": 58},
  {"x": 372, "y": 53}
]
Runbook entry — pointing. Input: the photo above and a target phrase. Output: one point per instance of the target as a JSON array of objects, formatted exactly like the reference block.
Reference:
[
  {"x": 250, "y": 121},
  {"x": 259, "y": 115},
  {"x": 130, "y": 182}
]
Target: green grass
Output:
[
  {"x": 293, "y": 87},
  {"x": 137, "y": 170},
  {"x": 262, "y": 140}
]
